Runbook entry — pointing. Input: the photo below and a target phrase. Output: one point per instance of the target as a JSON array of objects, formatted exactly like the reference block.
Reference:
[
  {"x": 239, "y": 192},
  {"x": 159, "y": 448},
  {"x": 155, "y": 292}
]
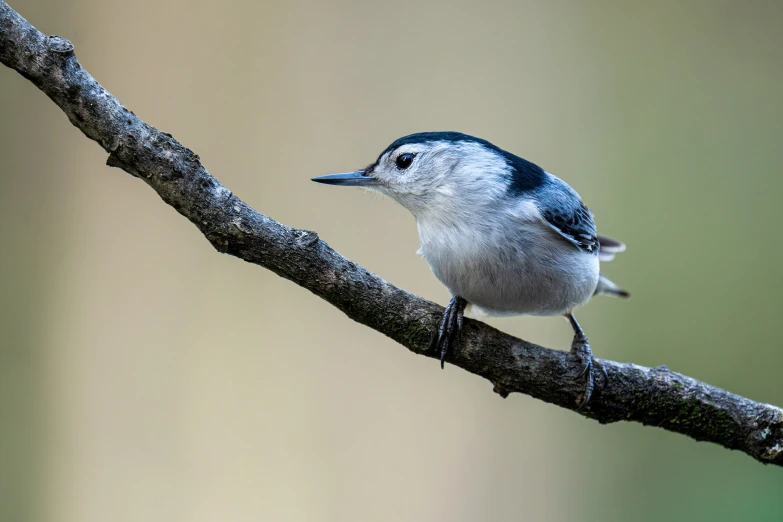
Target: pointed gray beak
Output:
[{"x": 348, "y": 179}]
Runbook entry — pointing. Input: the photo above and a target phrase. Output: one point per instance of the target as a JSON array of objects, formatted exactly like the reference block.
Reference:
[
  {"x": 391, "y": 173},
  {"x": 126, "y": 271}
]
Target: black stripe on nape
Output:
[{"x": 525, "y": 177}]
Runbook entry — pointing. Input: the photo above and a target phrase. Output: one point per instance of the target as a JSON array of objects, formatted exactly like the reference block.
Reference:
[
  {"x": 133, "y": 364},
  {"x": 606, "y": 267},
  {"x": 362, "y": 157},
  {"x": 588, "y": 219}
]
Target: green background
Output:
[{"x": 145, "y": 377}]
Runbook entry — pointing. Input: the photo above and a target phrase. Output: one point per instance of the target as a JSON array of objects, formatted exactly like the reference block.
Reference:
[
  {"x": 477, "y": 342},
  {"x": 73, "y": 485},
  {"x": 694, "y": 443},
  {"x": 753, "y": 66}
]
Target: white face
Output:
[{"x": 434, "y": 176}]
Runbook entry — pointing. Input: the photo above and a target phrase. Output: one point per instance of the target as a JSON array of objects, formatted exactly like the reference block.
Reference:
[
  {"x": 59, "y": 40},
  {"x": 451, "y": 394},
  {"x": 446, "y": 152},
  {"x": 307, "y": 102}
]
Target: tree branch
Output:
[{"x": 651, "y": 396}]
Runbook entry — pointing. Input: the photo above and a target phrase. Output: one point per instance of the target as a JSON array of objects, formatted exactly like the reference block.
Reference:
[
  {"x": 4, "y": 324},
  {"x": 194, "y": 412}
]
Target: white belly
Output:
[{"x": 532, "y": 271}]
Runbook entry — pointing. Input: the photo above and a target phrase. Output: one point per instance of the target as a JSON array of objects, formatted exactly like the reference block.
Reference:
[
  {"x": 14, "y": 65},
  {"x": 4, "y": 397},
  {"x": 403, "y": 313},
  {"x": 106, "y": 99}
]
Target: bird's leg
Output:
[
  {"x": 450, "y": 326},
  {"x": 580, "y": 348}
]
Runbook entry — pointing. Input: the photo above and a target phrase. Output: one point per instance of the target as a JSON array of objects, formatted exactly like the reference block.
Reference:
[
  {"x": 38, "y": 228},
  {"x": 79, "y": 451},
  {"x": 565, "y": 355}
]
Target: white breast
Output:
[{"x": 509, "y": 263}]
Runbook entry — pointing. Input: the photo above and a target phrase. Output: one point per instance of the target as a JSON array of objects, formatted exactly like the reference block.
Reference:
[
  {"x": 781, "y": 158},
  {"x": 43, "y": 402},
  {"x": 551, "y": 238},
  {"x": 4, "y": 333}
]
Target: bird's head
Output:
[{"x": 442, "y": 171}]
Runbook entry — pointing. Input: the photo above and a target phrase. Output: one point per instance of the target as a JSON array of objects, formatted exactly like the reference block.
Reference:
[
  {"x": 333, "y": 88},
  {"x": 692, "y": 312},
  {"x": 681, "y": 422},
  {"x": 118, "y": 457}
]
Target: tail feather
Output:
[
  {"x": 605, "y": 286},
  {"x": 609, "y": 247}
]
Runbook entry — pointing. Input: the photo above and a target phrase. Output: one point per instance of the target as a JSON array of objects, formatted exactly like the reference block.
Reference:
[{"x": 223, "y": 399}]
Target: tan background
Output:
[{"x": 145, "y": 377}]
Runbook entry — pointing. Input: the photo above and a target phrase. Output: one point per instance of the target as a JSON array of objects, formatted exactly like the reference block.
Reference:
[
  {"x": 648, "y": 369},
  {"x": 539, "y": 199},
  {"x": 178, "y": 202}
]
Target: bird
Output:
[{"x": 501, "y": 233}]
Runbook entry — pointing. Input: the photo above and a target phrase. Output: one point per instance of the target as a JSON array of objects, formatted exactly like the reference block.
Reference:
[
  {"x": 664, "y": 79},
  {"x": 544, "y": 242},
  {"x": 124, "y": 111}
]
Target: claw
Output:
[
  {"x": 437, "y": 339},
  {"x": 449, "y": 328},
  {"x": 586, "y": 368},
  {"x": 581, "y": 350},
  {"x": 603, "y": 372},
  {"x": 585, "y": 359},
  {"x": 588, "y": 395}
]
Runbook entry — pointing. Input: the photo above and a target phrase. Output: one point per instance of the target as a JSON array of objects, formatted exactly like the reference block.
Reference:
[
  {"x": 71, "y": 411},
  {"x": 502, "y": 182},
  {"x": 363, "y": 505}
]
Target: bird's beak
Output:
[{"x": 348, "y": 179}]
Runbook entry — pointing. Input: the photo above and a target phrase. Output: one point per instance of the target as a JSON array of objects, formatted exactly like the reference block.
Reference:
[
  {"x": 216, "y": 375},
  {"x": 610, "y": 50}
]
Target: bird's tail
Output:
[
  {"x": 608, "y": 247},
  {"x": 605, "y": 286}
]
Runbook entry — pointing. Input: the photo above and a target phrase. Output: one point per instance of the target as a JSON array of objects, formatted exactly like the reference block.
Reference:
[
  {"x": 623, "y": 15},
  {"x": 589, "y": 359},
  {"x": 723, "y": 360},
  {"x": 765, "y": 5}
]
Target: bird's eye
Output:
[{"x": 404, "y": 161}]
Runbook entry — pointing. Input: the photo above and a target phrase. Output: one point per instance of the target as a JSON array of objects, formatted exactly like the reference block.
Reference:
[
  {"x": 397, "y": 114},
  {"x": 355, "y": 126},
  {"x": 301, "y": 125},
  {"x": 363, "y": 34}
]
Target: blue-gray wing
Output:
[
  {"x": 564, "y": 212},
  {"x": 576, "y": 225}
]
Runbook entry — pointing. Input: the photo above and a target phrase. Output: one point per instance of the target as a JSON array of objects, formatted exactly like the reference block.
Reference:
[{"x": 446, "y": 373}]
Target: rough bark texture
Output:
[{"x": 651, "y": 396}]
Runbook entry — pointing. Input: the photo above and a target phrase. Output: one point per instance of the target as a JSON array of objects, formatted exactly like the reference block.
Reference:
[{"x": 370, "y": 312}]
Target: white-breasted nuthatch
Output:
[{"x": 500, "y": 232}]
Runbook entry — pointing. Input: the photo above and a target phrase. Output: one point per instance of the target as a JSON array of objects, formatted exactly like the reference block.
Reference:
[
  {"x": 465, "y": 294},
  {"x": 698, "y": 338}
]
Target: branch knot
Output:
[{"x": 59, "y": 45}]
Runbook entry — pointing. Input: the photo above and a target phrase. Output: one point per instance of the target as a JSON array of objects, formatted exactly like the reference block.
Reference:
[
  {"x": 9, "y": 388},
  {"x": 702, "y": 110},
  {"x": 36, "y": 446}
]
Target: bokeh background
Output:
[{"x": 145, "y": 377}]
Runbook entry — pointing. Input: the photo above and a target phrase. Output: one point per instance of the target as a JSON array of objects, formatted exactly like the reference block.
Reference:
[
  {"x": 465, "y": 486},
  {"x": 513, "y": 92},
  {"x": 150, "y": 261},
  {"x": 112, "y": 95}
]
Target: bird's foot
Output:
[
  {"x": 449, "y": 329},
  {"x": 580, "y": 349}
]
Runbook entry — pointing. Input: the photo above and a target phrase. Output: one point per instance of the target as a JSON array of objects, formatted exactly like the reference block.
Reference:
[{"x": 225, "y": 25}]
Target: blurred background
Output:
[{"x": 145, "y": 377}]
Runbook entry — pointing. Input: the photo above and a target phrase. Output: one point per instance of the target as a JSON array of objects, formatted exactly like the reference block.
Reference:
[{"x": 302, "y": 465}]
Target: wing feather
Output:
[{"x": 575, "y": 224}]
